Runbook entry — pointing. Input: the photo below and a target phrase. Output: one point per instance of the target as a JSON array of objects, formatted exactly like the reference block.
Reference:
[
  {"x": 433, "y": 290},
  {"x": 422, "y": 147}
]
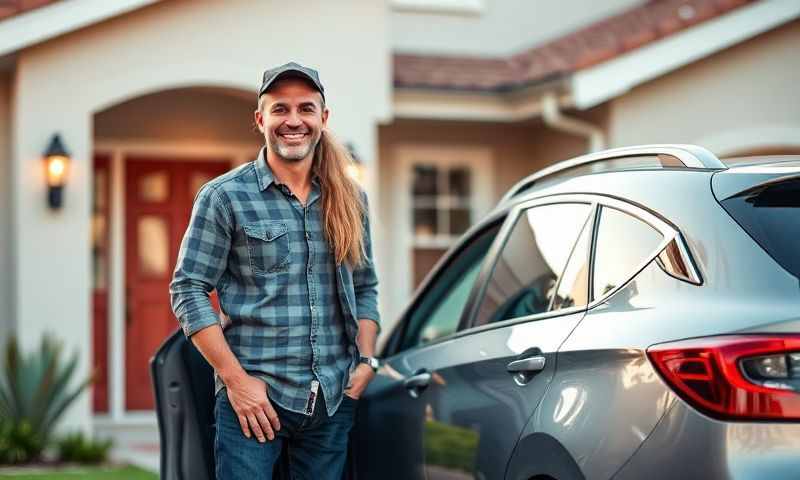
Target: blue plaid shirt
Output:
[{"x": 292, "y": 313}]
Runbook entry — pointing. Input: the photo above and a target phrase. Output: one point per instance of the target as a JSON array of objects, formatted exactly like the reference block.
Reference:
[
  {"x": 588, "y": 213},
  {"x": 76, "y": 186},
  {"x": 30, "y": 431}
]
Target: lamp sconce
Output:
[
  {"x": 56, "y": 164},
  {"x": 355, "y": 169}
]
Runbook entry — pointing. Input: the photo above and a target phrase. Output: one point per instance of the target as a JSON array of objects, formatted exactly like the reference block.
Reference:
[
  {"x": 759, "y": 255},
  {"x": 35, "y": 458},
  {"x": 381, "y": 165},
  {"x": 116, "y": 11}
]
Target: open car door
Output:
[{"x": 183, "y": 383}]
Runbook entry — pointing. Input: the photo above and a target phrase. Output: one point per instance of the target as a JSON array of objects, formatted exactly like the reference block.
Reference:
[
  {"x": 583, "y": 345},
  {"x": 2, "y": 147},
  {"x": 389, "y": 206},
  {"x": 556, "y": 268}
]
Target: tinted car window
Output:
[
  {"x": 438, "y": 311},
  {"x": 771, "y": 215},
  {"x": 524, "y": 278},
  {"x": 623, "y": 244}
]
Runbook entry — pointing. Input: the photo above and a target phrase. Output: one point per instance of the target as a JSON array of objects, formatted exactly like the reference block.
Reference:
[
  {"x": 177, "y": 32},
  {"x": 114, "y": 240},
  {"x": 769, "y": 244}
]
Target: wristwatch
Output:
[{"x": 371, "y": 361}]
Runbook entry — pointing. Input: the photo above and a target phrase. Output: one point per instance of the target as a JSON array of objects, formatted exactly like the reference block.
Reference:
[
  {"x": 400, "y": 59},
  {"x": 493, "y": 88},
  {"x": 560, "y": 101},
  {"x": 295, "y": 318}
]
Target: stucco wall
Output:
[
  {"x": 516, "y": 151},
  {"x": 6, "y": 272},
  {"x": 504, "y": 27},
  {"x": 739, "y": 99},
  {"x": 62, "y": 83},
  {"x": 183, "y": 115}
]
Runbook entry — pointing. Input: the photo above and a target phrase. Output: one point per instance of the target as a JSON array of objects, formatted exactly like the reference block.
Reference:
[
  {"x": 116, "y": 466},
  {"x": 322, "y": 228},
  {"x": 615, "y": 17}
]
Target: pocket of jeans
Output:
[{"x": 268, "y": 246}]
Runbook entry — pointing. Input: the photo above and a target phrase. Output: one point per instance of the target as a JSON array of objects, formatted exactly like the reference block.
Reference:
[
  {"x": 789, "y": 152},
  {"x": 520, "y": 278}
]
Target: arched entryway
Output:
[{"x": 151, "y": 155}]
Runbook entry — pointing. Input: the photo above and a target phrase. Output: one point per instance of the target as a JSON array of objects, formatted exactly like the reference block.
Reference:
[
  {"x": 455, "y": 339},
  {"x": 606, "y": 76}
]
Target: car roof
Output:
[
  {"x": 666, "y": 156},
  {"x": 762, "y": 160}
]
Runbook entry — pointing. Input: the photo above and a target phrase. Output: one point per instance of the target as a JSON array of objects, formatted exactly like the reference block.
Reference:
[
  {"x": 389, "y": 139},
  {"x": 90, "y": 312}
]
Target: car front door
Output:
[
  {"x": 387, "y": 441},
  {"x": 486, "y": 382}
]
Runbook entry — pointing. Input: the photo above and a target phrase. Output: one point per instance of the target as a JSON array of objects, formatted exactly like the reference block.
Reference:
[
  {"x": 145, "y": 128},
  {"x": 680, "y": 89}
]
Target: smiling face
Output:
[{"x": 291, "y": 115}]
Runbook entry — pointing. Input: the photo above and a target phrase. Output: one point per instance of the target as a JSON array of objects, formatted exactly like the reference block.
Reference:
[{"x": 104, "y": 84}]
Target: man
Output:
[{"x": 285, "y": 241}]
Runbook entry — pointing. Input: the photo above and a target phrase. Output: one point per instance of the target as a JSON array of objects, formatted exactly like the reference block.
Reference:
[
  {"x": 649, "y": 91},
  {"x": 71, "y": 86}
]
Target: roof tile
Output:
[{"x": 596, "y": 43}]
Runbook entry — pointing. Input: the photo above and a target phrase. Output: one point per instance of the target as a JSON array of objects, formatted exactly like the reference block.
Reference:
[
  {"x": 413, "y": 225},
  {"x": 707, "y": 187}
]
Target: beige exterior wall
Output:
[
  {"x": 740, "y": 99},
  {"x": 185, "y": 115},
  {"x": 61, "y": 84},
  {"x": 516, "y": 150},
  {"x": 6, "y": 266}
]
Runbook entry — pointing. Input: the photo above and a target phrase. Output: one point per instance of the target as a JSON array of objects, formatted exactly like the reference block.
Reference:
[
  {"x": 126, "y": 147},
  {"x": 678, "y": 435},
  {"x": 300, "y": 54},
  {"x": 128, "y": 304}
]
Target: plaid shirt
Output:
[{"x": 292, "y": 311}]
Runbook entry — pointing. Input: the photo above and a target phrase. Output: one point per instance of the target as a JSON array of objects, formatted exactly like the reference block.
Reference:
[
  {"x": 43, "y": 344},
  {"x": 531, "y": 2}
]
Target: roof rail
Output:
[{"x": 691, "y": 156}]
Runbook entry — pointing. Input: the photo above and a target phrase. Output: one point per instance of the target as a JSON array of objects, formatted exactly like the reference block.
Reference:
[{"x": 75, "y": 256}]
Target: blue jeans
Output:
[{"x": 317, "y": 445}]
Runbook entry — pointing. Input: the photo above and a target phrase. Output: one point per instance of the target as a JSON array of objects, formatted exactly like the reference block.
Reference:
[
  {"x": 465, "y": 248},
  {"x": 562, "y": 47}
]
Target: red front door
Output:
[{"x": 158, "y": 202}]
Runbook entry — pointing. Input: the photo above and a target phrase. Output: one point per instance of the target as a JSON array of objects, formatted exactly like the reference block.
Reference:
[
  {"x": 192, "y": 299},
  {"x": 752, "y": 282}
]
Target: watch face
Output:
[{"x": 371, "y": 361}]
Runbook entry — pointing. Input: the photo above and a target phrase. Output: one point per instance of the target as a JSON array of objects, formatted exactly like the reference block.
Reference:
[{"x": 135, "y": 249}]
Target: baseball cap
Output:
[{"x": 291, "y": 69}]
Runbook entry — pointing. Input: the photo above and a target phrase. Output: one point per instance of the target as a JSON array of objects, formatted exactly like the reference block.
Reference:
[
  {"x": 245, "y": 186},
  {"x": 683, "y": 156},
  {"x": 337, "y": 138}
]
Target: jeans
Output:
[{"x": 317, "y": 444}]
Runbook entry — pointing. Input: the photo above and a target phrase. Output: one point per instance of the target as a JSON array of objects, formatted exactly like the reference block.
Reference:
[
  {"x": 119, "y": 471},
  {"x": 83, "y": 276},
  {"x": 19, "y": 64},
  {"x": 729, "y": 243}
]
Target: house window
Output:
[{"x": 442, "y": 210}]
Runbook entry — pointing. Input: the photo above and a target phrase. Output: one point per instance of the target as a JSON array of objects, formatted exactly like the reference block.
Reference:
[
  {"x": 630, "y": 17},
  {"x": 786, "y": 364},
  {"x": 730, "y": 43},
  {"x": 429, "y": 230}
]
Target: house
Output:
[{"x": 446, "y": 103}]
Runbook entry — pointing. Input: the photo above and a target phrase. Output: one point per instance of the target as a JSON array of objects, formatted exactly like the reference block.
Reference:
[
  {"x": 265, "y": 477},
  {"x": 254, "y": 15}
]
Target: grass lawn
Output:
[{"x": 88, "y": 473}]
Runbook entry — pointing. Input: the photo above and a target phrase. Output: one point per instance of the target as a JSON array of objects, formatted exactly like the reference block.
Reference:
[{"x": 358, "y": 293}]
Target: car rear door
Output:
[
  {"x": 489, "y": 380},
  {"x": 456, "y": 402}
]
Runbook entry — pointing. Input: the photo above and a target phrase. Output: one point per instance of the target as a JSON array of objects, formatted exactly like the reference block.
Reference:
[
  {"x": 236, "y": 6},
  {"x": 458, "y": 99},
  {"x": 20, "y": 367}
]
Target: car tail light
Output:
[{"x": 735, "y": 377}]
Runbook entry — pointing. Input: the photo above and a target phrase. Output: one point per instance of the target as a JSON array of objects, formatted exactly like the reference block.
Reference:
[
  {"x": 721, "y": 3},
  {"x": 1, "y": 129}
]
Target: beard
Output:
[{"x": 293, "y": 153}]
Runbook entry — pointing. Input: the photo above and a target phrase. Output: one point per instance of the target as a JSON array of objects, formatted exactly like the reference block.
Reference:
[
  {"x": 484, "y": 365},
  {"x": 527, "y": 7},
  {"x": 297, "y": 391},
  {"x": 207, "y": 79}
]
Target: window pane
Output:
[
  {"x": 425, "y": 180},
  {"x": 153, "y": 245},
  {"x": 444, "y": 319},
  {"x": 99, "y": 251},
  {"x": 536, "y": 252},
  {"x": 154, "y": 187},
  {"x": 623, "y": 244},
  {"x": 100, "y": 193},
  {"x": 458, "y": 182},
  {"x": 771, "y": 215},
  {"x": 459, "y": 220},
  {"x": 425, "y": 221},
  {"x": 438, "y": 312},
  {"x": 573, "y": 288}
]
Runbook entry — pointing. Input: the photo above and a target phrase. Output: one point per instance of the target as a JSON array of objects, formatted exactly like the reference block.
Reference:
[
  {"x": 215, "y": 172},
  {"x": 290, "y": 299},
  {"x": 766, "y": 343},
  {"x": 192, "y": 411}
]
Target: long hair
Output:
[{"x": 342, "y": 204}]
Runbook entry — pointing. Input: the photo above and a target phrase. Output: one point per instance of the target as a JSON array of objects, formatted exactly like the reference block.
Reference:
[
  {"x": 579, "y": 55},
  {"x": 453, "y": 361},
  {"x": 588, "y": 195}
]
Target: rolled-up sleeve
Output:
[
  {"x": 202, "y": 260},
  {"x": 365, "y": 279}
]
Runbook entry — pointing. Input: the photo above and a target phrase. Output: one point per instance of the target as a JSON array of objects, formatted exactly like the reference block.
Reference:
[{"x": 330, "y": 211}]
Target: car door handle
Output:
[
  {"x": 416, "y": 383},
  {"x": 527, "y": 365}
]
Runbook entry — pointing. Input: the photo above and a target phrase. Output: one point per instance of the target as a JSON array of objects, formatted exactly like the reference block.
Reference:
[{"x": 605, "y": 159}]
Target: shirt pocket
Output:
[{"x": 267, "y": 246}]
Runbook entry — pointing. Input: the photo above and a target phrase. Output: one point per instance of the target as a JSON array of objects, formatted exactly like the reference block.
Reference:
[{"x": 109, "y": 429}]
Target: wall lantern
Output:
[
  {"x": 56, "y": 163},
  {"x": 355, "y": 169}
]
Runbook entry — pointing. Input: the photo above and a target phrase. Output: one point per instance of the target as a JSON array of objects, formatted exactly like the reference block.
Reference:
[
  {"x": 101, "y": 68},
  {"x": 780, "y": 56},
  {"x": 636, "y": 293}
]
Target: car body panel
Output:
[
  {"x": 687, "y": 444},
  {"x": 475, "y": 397}
]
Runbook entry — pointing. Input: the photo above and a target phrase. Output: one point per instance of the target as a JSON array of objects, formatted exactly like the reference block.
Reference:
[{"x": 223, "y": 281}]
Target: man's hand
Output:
[
  {"x": 248, "y": 397},
  {"x": 359, "y": 380}
]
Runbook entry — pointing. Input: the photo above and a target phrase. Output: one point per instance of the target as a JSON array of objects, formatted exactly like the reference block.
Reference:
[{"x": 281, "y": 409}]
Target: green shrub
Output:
[
  {"x": 19, "y": 443},
  {"x": 77, "y": 448},
  {"x": 34, "y": 393}
]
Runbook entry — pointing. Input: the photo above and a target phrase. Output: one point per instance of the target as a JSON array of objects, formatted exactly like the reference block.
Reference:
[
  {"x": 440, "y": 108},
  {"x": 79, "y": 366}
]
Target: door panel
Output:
[
  {"x": 475, "y": 407},
  {"x": 159, "y": 197}
]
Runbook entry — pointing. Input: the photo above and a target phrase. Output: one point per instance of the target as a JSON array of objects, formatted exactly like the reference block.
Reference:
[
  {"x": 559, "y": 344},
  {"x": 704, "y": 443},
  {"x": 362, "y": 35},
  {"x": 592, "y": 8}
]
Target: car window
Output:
[
  {"x": 623, "y": 244},
  {"x": 438, "y": 311},
  {"x": 523, "y": 281},
  {"x": 771, "y": 215}
]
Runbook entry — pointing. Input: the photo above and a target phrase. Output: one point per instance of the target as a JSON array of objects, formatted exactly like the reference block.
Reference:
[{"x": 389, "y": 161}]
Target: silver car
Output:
[{"x": 629, "y": 314}]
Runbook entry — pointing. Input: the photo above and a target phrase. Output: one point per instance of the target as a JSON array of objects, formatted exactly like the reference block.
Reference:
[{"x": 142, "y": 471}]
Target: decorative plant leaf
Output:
[{"x": 34, "y": 393}]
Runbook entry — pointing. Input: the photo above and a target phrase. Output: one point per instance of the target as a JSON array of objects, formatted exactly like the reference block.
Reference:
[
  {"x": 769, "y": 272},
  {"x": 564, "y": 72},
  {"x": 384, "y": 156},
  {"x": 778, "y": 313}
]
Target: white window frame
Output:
[{"x": 477, "y": 159}]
